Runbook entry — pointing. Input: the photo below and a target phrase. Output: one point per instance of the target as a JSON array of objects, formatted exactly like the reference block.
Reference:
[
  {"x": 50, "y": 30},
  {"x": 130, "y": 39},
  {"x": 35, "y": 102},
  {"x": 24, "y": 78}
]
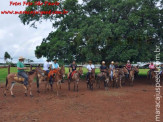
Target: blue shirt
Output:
[{"x": 55, "y": 66}]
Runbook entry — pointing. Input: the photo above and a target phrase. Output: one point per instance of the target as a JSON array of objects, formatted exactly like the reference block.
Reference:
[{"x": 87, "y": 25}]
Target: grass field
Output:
[{"x": 3, "y": 72}]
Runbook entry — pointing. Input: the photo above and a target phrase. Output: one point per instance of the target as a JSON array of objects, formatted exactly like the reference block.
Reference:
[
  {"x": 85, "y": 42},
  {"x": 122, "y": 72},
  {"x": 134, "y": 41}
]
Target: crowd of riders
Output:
[{"x": 73, "y": 67}]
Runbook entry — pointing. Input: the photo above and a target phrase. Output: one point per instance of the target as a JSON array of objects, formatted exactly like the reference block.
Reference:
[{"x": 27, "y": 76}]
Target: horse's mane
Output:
[{"x": 31, "y": 72}]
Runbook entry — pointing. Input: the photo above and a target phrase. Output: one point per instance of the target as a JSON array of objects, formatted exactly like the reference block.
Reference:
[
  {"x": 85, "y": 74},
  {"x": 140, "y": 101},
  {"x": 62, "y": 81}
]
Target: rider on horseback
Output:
[
  {"x": 90, "y": 66},
  {"x": 151, "y": 68},
  {"x": 55, "y": 65},
  {"x": 103, "y": 67},
  {"x": 128, "y": 67},
  {"x": 73, "y": 66},
  {"x": 21, "y": 72},
  {"x": 46, "y": 66},
  {"x": 112, "y": 67},
  {"x": 161, "y": 69}
]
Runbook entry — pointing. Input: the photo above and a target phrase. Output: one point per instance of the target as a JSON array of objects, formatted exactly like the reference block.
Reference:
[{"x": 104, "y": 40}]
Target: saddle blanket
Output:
[{"x": 18, "y": 78}]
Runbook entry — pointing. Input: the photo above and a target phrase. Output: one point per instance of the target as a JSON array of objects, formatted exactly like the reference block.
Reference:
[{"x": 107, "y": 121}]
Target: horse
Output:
[
  {"x": 42, "y": 77},
  {"x": 75, "y": 78},
  {"x": 12, "y": 78},
  {"x": 91, "y": 79},
  {"x": 151, "y": 74},
  {"x": 103, "y": 76},
  {"x": 132, "y": 74},
  {"x": 59, "y": 76}
]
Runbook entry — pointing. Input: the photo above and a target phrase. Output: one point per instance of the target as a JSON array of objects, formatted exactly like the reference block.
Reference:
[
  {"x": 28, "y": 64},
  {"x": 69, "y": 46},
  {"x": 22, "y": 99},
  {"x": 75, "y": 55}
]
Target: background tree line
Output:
[{"x": 97, "y": 30}]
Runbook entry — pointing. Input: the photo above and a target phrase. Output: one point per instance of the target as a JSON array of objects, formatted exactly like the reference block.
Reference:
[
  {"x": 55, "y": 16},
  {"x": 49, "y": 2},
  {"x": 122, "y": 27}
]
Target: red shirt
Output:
[{"x": 128, "y": 66}]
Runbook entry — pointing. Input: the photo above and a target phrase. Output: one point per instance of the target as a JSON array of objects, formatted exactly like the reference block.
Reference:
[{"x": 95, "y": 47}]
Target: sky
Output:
[{"x": 19, "y": 39}]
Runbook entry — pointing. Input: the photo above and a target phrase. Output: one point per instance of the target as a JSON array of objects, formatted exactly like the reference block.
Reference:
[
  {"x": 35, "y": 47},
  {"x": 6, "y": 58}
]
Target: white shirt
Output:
[
  {"x": 46, "y": 66},
  {"x": 90, "y": 67}
]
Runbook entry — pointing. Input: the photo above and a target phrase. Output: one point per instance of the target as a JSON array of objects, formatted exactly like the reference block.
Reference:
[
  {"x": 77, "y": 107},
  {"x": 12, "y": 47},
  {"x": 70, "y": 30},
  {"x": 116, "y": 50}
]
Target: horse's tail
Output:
[{"x": 6, "y": 82}]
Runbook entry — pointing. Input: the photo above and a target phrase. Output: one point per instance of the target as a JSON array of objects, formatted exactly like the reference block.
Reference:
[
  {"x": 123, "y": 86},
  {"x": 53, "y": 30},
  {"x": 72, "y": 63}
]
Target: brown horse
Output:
[
  {"x": 10, "y": 79},
  {"x": 75, "y": 78},
  {"x": 132, "y": 75},
  {"x": 59, "y": 76},
  {"x": 91, "y": 79},
  {"x": 152, "y": 74},
  {"x": 103, "y": 76}
]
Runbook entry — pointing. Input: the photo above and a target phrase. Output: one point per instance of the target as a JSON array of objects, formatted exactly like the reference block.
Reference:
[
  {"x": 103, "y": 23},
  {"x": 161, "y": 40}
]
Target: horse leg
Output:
[
  {"x": 38, "y": 90},
  {"x": 25, "y": 93},
  {"x": 57, "y": 88},
  {"x": 69, "y": 85},
  {"x": 77, "y": 86},
  {"x": 120, "y": 81},
  {"x": 74, "y": 85},
  {"x": 60, "y": 84},
  {"x": 12, "y": 86},
  {"x": 30, "y": 90},
  {"x": 6, "y": 86}
]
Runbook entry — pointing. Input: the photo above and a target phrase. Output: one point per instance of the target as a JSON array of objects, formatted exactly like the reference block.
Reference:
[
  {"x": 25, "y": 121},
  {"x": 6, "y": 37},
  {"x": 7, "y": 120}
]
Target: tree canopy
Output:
[
  {"x": 99, "y": 30},
  {"x": 7, "y": 56}
]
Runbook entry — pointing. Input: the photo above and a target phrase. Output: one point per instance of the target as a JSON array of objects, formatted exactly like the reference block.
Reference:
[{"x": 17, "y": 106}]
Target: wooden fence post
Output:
[
  {"x": 30, "y": 67},
  {"x": 8, "y": 69}
]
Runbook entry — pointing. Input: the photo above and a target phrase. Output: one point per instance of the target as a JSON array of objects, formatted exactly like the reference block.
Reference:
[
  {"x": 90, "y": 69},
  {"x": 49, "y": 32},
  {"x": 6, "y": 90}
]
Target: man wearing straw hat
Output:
[
  {"x": 103, "y": 67},
  {"x": 21, "y": 68},
  {"x": 111, "y": 67},
  {"x": 90, "y": 66}
]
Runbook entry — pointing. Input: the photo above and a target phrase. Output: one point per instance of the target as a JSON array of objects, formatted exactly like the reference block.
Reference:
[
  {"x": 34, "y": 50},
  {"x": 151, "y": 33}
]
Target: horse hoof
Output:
[
  {"x": 25, "y": 94},
  {"x": 31, "y": 96},
  {"x": 13, "y": 96},
  {"x": 5, "y": 95}
]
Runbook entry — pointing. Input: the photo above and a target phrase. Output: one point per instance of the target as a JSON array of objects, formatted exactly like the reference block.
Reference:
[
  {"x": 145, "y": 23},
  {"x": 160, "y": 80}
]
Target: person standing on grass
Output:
[{"x": 21, "y": 72}]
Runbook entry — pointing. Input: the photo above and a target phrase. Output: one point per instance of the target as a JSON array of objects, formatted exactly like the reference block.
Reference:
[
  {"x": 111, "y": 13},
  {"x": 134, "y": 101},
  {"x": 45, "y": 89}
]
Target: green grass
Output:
[{"x": 4, "y": 72}]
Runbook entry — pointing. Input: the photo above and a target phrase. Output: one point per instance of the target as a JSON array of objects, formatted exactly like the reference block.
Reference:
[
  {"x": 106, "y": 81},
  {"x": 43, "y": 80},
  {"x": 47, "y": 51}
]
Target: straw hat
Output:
[
  {"x": 21, "y": 58},
  {"x": 103, "y": 62},
  {"x": 128, "y": 61},
  {"x": 112, "y": 62}
]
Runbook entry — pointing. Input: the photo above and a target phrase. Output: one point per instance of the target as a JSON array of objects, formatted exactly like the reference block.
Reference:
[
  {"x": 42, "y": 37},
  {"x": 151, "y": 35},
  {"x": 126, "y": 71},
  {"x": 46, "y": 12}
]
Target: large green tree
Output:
[{"x": 101, "y": 30}]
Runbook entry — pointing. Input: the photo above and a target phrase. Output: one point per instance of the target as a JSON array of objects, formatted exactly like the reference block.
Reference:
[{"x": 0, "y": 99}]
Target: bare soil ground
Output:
[{"x": 126, "y": 104}]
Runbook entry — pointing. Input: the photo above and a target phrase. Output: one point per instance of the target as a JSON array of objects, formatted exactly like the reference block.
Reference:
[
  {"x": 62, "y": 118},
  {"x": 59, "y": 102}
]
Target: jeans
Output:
[
  {"x": 47, "y": 71},
  {"x": 160, "y": 72},
  {"x": 25, "y": 76},
  {"x": 88, "y": 73}
]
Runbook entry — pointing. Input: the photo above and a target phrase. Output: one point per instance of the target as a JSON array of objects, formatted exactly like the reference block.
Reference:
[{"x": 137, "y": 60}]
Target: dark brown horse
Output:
[
  {"x": 91, "y": 79},
  {"x": 75, "y": 78},
  {"x": 12, "y": 78}
]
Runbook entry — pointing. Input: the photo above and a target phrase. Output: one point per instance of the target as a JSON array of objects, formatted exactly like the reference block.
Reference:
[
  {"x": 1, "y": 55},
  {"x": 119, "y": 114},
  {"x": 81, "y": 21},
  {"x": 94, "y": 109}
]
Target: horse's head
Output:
[
  {"x": 32, "y": 72},
  {"x": 80, "y": 71},
  {"x": 136, "y": 69},
  {"x": 62, "y": 71}
]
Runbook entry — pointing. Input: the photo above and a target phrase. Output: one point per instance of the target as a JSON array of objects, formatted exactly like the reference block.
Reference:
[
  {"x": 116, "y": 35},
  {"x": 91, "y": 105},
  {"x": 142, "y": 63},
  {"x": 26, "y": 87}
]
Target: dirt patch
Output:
[{"x": 126, "y": 104}]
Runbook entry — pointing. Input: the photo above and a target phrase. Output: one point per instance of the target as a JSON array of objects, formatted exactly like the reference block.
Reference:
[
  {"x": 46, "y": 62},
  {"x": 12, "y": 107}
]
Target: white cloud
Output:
[{"x": 18, "y": 39}]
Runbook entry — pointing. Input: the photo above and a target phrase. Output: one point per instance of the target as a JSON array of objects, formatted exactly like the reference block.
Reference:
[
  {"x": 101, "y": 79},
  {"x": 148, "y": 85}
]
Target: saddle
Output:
[
  {"x": 52, "y": 72},
  {"x": 72, "y": 74},
  {"x": 18, "y": 78}
]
